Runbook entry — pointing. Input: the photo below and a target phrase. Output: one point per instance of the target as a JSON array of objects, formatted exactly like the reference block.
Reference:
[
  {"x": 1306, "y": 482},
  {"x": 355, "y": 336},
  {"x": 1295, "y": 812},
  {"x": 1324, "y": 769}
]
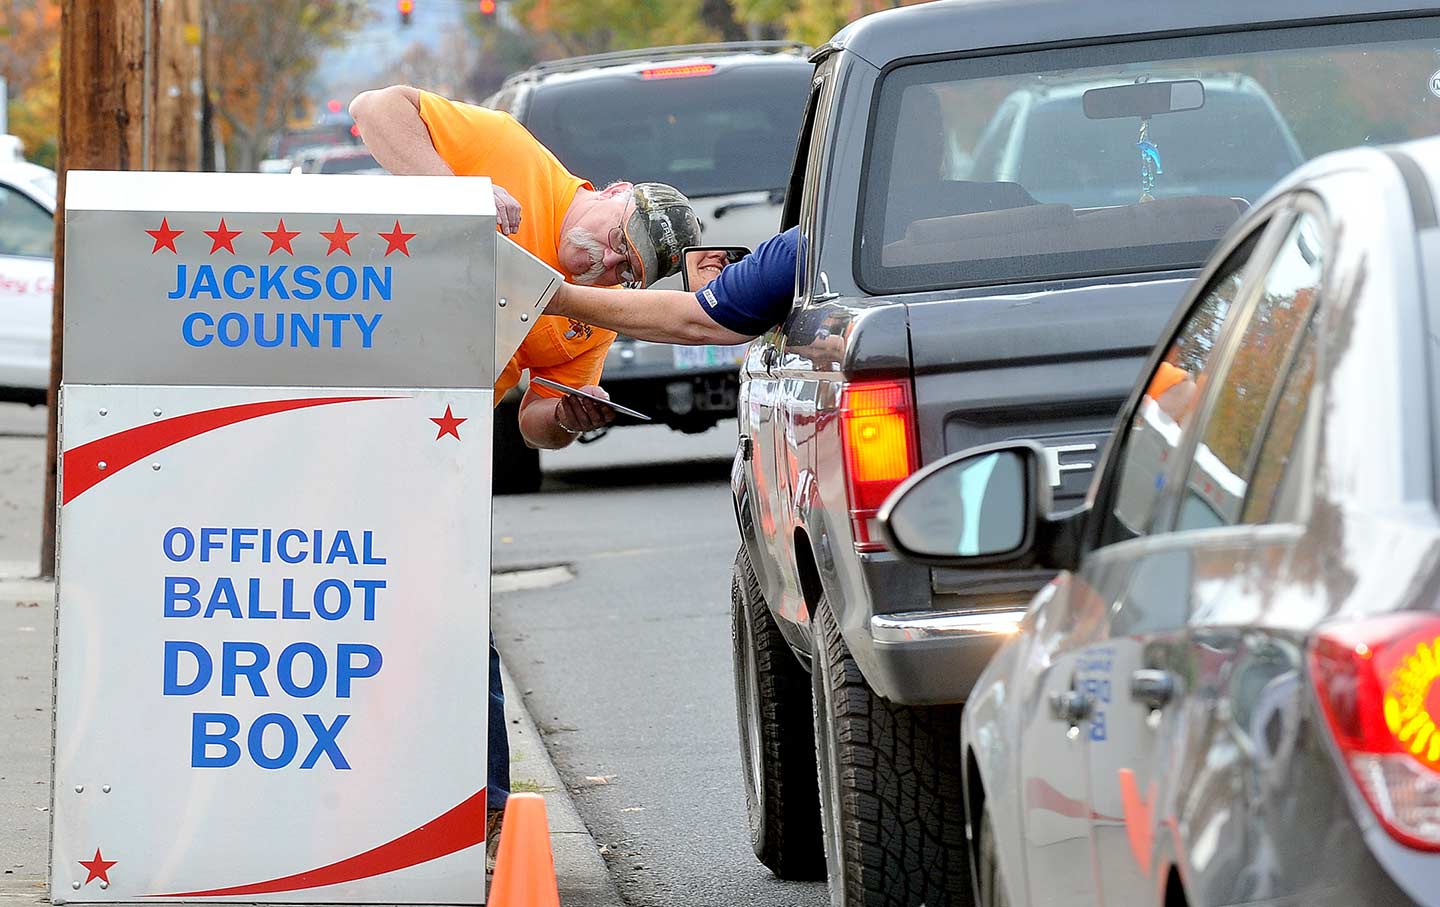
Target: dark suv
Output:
[
  {"x": 1000, "y": 206},
  {"x": 716, "y": 121}
]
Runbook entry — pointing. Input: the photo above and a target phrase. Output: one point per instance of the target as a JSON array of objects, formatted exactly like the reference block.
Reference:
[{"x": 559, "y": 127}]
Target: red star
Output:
[
  {"x": 97, "y": 867},
  {"x": 280, "y": 238},
  {"x": 449, "y": 425},
  {"x": 221, "y": 238},
  {"x": 339, "y": 239},
  {"x": 397, "y": 240},
  {"x": 164, "y": 237}
]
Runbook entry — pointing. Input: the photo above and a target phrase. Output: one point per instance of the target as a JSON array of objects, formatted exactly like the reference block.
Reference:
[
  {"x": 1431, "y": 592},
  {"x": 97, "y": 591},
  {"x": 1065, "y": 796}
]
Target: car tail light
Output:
[
  {"x": 1378, "y": 682},
  {"x": 877, "y": 427},
  {"x": 678, "y": 72}
]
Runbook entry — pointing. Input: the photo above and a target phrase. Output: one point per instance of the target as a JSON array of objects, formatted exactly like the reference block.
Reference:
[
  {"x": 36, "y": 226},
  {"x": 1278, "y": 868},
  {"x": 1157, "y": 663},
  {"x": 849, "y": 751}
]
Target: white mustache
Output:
[{"x": 586, "y": 240}]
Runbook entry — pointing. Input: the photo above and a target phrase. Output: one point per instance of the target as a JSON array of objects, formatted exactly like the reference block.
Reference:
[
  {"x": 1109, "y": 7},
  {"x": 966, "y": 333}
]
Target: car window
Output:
[
  {"x": 1079, "y": 168},
  {"x": 1167, "y": 407},
  {"x": 1273, "y": 488},
  {"x": 706, "y": 129},
  {"x": 25, "y": 227},
  {"x": 1218, "y": 479}
]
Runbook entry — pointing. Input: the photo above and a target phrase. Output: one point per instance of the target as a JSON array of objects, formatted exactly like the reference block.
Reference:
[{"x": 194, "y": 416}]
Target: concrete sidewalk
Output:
[{"x": 26, "y": 646}]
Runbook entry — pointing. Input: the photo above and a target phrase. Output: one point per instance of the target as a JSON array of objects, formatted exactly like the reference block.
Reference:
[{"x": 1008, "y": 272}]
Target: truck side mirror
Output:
[{"x": 704, "y": 263}]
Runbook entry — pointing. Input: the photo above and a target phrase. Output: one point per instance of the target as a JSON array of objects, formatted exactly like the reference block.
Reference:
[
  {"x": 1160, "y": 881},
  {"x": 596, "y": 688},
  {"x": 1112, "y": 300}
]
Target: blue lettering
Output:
[
  {"x": 260, "y": 338},
  {"x": 270, "y": 282},
  {"x": 187, "y": 328},
  {"x": 326, "y": 743},
  {"x": 285, "y": 669},
  {"x": 201, "y": 740},
  {"x": 205, "y": 282},
  {"x": 337, "y": 323},
  {"x": 346, "y": 670},
  {"x": 238, "y": 271},
  {"x": 342, "y": 547},
  {"x": 230, "y": 667},
  {"x": 184, "y": 534},
  {"x": 256, "y": 612},
  {"x": 239, "y": 335},
  {"x": 204, "y": 668},
  {"x": 223, "y": 598},
  {"x": 306, "y": 276},
  {"x": 342, "y": 608},
  {"x": 332, "y": 285},
  {"x": 367, "y": 543},
  {"x": 284, "y": 549},
  {"x": 368, "y": 586},
  {"x": 182, "y": 589},
  {"x": 289, "y": 737},
  {"x": 309, "y": 326},
  {"x": 212, "y": 538},
  {"x": 287, "y": 602},
  {"x": 372, "y": 280},
  {"x": 367, "y": 331},
  {"x": 179, "y": 291}
]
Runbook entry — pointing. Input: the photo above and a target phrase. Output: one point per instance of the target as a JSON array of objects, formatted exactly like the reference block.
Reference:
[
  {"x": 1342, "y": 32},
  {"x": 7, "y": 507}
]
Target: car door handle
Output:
[
  {"x": 1152, "y": 687},
  {"x": 1070, "y": 706}
]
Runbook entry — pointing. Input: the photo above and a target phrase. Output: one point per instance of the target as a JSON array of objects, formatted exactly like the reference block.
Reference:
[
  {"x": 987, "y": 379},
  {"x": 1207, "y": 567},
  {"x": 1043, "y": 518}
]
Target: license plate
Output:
[{"x": 709, "y": 356}]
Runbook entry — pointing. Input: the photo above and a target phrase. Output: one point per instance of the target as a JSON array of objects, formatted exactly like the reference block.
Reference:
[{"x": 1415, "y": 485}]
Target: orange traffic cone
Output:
[{"x": 525, "y": 868}]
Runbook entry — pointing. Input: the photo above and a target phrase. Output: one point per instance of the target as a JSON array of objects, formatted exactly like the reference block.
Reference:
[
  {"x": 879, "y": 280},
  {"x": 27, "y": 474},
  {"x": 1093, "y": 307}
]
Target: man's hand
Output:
[
  {"x": 577, "y": 415},
  {"x": 507, "y": 212}
]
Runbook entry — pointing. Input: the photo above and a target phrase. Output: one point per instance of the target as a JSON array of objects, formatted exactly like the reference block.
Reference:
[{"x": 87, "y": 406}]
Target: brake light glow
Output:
[
  {"x": 1378, "y": 682},
  {"x": 678, "y": 72},
  {"x": 878, "y": 432}
]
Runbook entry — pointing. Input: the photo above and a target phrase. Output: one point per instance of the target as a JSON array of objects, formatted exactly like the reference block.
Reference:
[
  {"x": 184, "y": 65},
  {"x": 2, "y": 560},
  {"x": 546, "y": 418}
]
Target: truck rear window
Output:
[
  {"x": 1063, "y": 163},
  {"x": 727, "y": 131}
]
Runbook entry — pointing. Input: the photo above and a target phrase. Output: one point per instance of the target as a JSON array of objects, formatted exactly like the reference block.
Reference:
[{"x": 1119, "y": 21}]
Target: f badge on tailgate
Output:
[{"x": 1063, "y": 458}]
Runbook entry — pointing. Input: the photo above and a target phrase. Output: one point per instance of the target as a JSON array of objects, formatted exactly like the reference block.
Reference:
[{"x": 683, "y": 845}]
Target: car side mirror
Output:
[
  {"x": 703, "y": 263},
  {"x": 985, "y": 506}
]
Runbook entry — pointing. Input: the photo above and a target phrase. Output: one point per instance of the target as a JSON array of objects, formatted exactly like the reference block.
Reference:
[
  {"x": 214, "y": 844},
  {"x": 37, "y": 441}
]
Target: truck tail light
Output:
[
  {"x": 1378, "y": 682},
  {"x": 678, "y": 72},
  {"x": 877, "y": 427}
]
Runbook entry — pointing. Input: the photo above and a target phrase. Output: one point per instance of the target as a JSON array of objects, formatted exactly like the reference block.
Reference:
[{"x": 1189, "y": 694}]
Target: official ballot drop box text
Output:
[{"x": 274, "y": 535}]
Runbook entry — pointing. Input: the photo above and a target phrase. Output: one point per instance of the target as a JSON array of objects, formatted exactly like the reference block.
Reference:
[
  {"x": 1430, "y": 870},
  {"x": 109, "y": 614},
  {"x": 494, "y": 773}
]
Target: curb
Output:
[{"x": 580, "y": 870}]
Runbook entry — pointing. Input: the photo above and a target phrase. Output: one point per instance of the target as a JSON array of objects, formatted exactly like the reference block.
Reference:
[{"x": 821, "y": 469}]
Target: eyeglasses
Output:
[{"x": 620, "y": 247}]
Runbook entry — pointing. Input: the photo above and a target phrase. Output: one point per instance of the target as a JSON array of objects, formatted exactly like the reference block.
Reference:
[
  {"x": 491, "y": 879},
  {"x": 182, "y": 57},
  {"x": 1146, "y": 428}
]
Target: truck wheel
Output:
[
  {"x": 517, "y": 465},
  {"x": 891, "y": 798},
  {"x": 777, "y": 742}
]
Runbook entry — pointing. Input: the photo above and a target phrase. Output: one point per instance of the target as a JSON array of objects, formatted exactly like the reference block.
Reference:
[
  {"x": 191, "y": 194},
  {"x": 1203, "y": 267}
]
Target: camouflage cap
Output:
[{"x": 662, "y": 224}]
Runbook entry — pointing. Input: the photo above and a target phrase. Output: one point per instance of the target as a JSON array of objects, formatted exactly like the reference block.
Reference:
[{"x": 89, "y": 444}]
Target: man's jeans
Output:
[{"x": 497, "y": 789}]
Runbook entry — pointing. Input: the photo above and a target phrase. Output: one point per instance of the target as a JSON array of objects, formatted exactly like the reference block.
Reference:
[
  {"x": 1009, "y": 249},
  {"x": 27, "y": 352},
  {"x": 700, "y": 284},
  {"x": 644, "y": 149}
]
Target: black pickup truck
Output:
[{"x": 999, "y": 207}]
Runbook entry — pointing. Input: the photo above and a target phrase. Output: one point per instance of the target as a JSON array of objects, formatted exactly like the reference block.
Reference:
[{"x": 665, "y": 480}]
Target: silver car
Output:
[{"x": 1230, "y": 692}]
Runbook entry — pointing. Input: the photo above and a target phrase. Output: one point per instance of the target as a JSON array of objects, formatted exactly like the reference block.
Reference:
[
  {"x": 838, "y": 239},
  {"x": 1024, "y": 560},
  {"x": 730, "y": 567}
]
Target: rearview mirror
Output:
[
  {"x": 704, "y": 263},
  {"x": 974, "y": 507},
  {"x": 1146, "y": 99}
]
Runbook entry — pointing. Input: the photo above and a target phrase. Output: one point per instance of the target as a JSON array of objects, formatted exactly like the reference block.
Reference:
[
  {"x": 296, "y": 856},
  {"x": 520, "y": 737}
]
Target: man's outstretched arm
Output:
[{"x": 661, "y": 316}]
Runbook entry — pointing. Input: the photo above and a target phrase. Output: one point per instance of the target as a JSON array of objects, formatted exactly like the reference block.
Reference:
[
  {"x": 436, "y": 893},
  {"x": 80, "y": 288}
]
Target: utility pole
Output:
[{"x": 102, "y": 125}]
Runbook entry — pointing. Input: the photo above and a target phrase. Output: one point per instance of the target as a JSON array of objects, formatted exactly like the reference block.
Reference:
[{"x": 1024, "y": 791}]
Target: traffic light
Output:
[
  {"x": 487, "y": 7},
  {"x": 406, "y": 7}
]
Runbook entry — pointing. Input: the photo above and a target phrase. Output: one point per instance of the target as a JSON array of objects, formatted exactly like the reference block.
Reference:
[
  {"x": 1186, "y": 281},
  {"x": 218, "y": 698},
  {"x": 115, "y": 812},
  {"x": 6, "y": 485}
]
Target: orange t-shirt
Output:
[{"x": 476, "y": 141}]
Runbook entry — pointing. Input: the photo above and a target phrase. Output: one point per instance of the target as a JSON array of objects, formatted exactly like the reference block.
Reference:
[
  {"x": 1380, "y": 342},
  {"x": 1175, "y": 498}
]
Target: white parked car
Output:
[{"x": 27, "y": 249}]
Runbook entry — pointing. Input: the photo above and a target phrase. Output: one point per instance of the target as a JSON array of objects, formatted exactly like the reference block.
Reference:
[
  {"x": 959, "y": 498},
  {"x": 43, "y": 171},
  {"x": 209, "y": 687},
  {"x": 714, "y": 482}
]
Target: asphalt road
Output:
[{"x": 626, "y": 669}]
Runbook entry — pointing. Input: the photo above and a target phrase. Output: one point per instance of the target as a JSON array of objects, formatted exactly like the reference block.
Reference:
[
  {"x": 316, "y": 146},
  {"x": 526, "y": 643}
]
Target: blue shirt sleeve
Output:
[{"x": 754, "y": 294}]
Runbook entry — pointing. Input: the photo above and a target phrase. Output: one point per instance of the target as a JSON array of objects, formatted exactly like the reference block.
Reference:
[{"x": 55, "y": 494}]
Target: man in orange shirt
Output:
[{"x": 623, "y": 234}]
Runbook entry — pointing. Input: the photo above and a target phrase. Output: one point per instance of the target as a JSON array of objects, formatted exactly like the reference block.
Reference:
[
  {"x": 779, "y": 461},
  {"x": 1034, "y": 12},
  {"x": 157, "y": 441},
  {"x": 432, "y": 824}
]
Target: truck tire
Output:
[
  {"x": 777, "y": 740},
  {"x": 891, "y": 796},
  {"x": 517, "y": 465}
]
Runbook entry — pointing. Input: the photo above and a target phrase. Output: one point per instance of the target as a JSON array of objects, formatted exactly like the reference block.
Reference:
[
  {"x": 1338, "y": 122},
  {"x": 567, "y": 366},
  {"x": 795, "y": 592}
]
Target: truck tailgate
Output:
[{"x": 1053, "y": 366}]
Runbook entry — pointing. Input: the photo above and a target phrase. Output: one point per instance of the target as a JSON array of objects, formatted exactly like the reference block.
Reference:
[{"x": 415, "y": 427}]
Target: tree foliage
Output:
[
  {"x": 30, "y": 63},
  {"x": 265, "y": 54}
]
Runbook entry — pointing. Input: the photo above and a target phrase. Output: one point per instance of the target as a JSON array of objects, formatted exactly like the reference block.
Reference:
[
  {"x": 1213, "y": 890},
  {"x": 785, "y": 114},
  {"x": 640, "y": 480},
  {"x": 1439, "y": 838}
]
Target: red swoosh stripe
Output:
[
  {"x": 82, "y": 464},
  {"x": 461, "y": 827}
]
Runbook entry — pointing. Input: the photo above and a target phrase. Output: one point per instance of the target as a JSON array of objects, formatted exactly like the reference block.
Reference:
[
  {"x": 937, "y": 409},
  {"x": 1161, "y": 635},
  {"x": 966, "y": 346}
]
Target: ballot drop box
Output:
[{"x": 274, "y": 535}]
